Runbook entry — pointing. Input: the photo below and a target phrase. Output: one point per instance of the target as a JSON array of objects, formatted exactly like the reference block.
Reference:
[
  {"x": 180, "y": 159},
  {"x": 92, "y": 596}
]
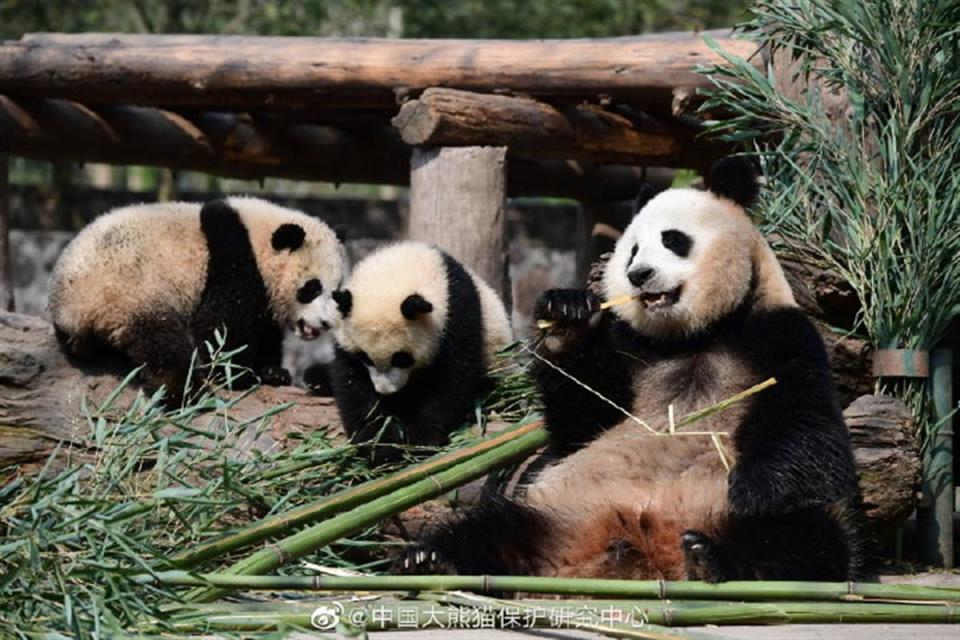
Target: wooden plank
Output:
[
  {"x": 457, "y": 203},
  {"x": 243, "y": 146},
  {"x": 533, "y": 128},
  {"x": 298, "y": 72}
]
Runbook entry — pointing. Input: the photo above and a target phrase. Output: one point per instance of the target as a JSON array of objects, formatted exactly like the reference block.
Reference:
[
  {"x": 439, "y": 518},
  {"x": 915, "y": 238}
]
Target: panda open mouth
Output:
[
  {"x": 660, "y": 299},
  {"x": 306, "y": 331}
]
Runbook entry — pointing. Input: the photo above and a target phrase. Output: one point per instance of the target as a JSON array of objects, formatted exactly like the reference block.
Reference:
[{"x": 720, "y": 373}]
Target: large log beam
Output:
[
  {"x": 316, "y": 73},
  {"x": 532, "y": 128},
  {"x": 242, "y": 146}
]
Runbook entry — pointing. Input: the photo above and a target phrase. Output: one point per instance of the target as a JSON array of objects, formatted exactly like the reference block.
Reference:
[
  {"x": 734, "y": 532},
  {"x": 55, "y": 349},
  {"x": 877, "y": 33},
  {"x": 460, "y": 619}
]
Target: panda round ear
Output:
[
  {"x": 415, "y": 306},
  {"x": 288, "y": 236},
  {"x": 734, "y": 178},
  {"x": 645, "y": 195},
  {"x": 344, "y": 300}
]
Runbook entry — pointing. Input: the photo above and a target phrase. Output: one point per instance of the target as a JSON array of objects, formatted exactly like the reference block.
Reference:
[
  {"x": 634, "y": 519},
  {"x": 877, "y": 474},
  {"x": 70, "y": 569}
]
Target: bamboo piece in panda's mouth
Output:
[{"x": 606, "y": 304}]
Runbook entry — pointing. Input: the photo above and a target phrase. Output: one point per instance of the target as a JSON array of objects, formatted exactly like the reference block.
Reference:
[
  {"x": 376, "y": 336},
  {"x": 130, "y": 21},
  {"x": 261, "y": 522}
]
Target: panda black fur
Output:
[
  {"x": 418, "y": 333},
  {"x": 155, "y": 281},
  {"x": 715, "y": 317}
]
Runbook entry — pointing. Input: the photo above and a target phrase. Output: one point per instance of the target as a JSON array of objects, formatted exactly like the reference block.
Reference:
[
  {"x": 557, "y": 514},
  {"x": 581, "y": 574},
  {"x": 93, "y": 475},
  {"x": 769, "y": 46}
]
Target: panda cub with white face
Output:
[
  {"x": 418, "y": 333},
  {"x": 709, "y": 314},
  {"x": 155, "y": 281}
]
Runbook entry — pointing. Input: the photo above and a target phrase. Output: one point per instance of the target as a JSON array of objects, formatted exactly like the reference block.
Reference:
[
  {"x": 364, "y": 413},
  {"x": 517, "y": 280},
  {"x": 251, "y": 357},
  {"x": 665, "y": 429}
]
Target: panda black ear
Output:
[
  {"x": 288, "y": 236},
  {"x": 645, "y": 195},
  {"x": 344, "y": 300},
  {"x": 735, "y": 179},
  {"x": 415, "y": 306}
]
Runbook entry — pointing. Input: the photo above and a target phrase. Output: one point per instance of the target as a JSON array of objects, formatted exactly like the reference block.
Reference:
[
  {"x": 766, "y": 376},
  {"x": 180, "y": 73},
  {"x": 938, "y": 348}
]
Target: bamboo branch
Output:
[
  {"x": 342, "y": 501},
  {"x": 275, "y": 555}
]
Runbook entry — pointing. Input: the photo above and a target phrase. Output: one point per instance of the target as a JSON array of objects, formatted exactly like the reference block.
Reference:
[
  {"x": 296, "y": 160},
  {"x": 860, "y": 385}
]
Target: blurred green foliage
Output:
[{"x": 398, "y": 18}]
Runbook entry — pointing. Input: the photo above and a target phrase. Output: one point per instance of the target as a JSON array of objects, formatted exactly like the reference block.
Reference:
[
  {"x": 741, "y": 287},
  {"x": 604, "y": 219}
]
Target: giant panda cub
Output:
[
  {"x": 709, "y": 314},
  {"x": 418, "y": 333},
  {"x": 155, "y": 281}
]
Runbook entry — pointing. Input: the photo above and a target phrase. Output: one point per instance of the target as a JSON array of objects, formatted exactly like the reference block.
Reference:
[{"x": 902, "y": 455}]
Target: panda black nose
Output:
[{"x": 638, "y": 276}]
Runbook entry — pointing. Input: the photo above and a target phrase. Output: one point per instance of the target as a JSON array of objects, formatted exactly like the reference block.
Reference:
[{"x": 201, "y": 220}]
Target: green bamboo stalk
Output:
[
  {"x": 322, "y": 534},
  {"x": 342, "y": 501},
  {"x": 595, "y": 588},
  {"x": 382, "y": 615},
  {"x": 641, "y": 621}
]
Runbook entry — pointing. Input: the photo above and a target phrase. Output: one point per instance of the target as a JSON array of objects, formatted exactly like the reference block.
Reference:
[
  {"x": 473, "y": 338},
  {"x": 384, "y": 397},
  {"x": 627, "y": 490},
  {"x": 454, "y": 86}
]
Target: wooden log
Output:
[
  {"x": 243, "y": 146},
  {"x": 532, "y": 128},
  {"x": 882, "y": 433},
  {"x": 42, "y": 394},
  {"x": 315, "y": 73},
  {"x": 6, "y": 269},
  {"x": 457, "y": 203}
]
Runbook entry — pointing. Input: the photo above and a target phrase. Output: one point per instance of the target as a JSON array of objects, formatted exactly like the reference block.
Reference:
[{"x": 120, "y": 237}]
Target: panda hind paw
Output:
[
  {"x": 702, "y": 558},
  {"x": 422, "y": 560}
]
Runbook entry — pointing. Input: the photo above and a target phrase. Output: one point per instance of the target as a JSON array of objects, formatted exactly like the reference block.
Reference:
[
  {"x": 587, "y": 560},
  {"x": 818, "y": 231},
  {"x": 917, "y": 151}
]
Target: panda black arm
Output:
[
  {"x": 355, "y": 396},
  {"x": 583, "y": 345},
  {"x": 793, "y": 448}
]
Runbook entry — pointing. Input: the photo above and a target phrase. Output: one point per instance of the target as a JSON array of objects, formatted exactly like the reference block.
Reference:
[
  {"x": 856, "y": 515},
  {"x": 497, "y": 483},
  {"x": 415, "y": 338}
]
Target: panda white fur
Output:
[
  {"x": 155, "y": 281},
  {"x": 712, "y": 315},
  {"x": 418, "y": 333}
]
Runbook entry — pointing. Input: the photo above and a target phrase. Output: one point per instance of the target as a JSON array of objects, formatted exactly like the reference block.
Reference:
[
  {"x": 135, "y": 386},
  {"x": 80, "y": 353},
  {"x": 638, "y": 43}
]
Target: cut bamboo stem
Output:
[
  {"x": 319, "y": 535},
  {"x": 341, "y": 501},
  {"x": 596, "y": 588},
  {"x": 384, "y": 614}
]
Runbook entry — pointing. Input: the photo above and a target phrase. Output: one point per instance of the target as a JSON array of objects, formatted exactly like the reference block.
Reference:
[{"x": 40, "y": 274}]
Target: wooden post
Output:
[
  {"x": 6, "y": 272},
  {"x": 457, "y": 203}
]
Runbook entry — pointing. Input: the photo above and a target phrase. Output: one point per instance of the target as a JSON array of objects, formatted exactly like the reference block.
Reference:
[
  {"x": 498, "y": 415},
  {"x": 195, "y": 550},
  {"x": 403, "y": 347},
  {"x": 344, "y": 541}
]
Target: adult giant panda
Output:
[
  {"x": 418, "y": 333},
  {"x": 709, "y": 315},
  {"x": 155, "y": 281}
]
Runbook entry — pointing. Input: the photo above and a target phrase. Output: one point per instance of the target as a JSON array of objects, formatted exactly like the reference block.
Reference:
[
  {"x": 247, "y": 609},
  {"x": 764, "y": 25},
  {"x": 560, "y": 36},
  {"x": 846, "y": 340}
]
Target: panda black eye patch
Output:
[
  {"x": 677, "y": 242},
  {"x": 401, "y": 360},
  {"x": 309, "y": 291},
  {"x": 633, "y": 252}
]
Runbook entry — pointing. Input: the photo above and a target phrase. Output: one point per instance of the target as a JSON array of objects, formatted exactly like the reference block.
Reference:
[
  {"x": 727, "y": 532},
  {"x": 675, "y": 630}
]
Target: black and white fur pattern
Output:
[
  {"x": 155, "y": 282},
  {"x": 419, "y": 331},
  {"x": 713, "y": 316}
]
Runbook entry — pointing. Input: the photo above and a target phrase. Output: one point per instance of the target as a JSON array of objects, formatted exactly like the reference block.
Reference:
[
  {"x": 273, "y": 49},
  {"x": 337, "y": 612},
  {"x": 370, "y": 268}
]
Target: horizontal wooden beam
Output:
[
  {"x": 240, "y": 72},
  {"x": 533, "y": 128},
  {"x": 244, "y": 146}
]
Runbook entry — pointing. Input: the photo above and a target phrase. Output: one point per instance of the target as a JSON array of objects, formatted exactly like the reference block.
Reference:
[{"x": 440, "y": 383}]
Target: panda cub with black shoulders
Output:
[
  {"x": 155, "y": 281},
  {"x": 418, "y": 333},
  {"x": 709, "y": 315}
]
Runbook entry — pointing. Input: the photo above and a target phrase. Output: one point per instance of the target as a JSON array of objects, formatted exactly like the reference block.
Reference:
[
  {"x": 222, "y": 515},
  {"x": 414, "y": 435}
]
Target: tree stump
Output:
[{"x": 457, "y": 203}]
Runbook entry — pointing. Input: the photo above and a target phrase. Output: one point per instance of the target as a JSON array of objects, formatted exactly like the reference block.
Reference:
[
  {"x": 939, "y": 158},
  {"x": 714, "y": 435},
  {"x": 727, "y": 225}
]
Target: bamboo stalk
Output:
[
  {"x": 596, "y": 588},
  {"x": 341, "y": 501},
  {"x": 319, "y": 535},
  {"x": 645, "y": 621}
]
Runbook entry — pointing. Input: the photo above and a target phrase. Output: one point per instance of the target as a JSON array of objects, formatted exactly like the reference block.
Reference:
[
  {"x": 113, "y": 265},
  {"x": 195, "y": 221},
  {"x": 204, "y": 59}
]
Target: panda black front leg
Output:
[{"x": 579, "y": 371}]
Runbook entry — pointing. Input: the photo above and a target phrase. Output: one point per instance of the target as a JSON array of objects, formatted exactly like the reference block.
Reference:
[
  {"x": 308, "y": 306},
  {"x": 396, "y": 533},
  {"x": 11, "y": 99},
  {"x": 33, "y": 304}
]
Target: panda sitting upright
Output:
[
  {"x": 155, "y": 281},
  {"x": 709, "y": 315}
]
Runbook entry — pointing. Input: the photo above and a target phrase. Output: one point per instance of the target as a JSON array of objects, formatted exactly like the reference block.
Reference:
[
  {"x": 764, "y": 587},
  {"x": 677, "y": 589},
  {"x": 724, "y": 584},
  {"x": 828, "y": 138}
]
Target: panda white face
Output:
[
  {"x": 685, "y": 258},
  {"x": 315, "y": 310}
]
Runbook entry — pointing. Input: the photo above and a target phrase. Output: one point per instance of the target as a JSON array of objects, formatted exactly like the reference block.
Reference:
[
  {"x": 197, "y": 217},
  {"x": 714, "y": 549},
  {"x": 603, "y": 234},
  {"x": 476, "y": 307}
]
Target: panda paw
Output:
[
  {"x": 421, "y": 560},
  {"x": 702, "y": 558},
  {"x": 566, "y": 307},
  {"x": 274, "y": 376}
]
